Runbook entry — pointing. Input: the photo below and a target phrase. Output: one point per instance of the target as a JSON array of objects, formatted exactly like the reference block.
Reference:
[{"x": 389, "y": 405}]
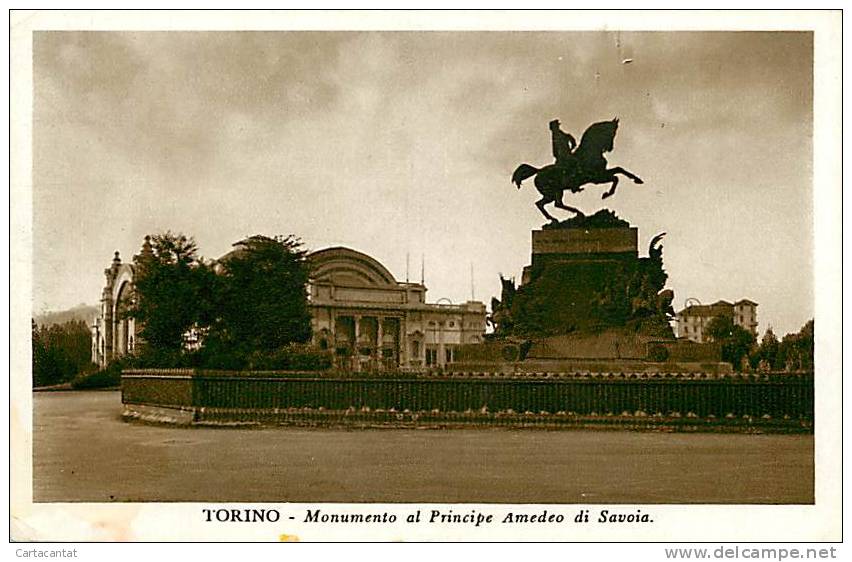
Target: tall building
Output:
[
  {"x": 692, "y": 321},
  {"x": 358, "y": 309}
]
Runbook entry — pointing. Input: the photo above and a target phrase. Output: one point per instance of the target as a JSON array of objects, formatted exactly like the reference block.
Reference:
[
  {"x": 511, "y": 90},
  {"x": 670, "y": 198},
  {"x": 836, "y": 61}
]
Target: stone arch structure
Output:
[
  {"x": 124, "y": 329},
  {"x": 113, "y": 335}
]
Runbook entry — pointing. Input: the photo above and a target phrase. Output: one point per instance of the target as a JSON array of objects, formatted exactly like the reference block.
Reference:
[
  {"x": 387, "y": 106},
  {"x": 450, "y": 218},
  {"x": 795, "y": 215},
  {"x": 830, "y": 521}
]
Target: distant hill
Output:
[{"x": 83, "y": 312}]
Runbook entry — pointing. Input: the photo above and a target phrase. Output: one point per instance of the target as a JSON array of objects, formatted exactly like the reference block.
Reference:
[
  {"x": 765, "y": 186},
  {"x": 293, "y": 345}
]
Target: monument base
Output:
[
  {"x": 586, "y": 276},
  {"x": 589, "y": 301}
]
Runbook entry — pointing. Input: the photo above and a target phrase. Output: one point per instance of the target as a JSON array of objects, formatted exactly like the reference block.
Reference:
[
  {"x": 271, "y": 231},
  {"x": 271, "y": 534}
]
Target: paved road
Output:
[{"x": 84, "y": 452}]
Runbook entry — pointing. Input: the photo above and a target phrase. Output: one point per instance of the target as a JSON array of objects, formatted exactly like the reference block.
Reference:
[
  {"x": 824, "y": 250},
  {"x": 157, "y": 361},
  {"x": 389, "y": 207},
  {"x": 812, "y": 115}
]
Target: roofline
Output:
[
  {"x": 708, "y": 307},
  {"x": 372, "y": 262}
]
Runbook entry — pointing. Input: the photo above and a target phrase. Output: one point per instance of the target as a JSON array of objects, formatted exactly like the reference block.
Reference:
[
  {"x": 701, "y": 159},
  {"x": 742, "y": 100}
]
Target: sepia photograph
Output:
[{"x": 313, "y": 276}]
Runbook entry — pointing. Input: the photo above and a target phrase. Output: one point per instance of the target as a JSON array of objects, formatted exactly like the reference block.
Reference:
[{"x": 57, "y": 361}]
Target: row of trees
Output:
[
  {"x": 794, "y": 352},
  {"x": 60, "y": 352},
  {"x": 250, "y": 309}
]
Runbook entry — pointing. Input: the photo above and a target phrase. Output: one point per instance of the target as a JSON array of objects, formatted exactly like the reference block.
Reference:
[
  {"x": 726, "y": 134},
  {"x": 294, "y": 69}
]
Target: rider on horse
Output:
[
  {"x": 576, "y": 165},
  {"x": 563, "y": 144},
  {"x": 563, "y": 151}
]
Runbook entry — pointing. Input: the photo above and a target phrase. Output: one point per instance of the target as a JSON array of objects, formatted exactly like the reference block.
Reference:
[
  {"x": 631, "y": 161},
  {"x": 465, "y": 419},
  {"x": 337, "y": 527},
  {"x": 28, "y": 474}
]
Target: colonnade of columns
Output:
[{"x": 367, "y": 342}]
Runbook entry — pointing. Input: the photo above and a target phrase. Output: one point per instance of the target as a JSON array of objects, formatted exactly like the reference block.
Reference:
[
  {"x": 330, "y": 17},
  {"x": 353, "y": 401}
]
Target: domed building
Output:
[
  {"x": 373, "y": 321},
  {"x": 359, "y": 310}
]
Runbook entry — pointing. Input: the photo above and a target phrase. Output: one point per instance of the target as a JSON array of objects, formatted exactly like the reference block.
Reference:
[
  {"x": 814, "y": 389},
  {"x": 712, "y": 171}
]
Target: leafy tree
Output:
[
  {"x": 60, "y": 352},
  {"x": 796, "y": 351},
  {"x": 172, "y": 292},
  {"x": 736, "y": 341},
  {"x": 767, "y": 351},
  {"x": 793, "y": 353},
  {"x": 37, "y": 349},
  {"x": 805, "y": 346},
  {"x": 248, "y": 310},
  {"x": 262, "y": 297}
]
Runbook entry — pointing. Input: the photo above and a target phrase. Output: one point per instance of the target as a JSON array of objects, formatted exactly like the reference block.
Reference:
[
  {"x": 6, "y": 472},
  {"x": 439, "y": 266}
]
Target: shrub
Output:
[
  {"x": 658, "y": 353},
  {"x": 217, "y": 357},
  {"x": 150, "y": 357},
  {"x": 292, "y": 357},
  {"x": 107, "y": 377}
]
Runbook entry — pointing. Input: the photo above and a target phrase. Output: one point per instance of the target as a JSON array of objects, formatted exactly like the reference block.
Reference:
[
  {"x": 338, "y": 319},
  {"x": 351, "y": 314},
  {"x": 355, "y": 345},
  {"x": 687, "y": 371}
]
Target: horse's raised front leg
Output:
[
  {"x": 611, "y": 191},
  {"x": 540, "y": 204},
  {"x": 629, "y": 174}
]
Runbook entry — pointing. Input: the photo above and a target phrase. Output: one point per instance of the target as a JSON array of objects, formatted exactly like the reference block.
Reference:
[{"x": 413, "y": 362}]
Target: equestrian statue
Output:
[{"x": 575, "y": 166}]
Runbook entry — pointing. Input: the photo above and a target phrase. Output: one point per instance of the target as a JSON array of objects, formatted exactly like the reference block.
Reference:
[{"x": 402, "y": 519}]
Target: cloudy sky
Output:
[{"x": 398, "y": 143}]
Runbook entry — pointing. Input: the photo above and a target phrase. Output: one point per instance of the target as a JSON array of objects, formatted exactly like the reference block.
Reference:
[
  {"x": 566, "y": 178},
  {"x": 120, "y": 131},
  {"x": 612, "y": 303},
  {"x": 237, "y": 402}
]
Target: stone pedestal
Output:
[
  {"x": 585, "y": 241},
  {"x": 586, "y": 276},
  {"x": 588, "y": 302},
  {"x": 581, "y": 244}
]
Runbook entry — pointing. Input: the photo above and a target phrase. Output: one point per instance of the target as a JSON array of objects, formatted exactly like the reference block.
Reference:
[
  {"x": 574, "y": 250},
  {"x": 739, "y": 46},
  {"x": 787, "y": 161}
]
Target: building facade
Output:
[
  {"x": 374, "y": 322},
  {"x": 358, "y": 309},
  {"x": 692, "y": 321}
]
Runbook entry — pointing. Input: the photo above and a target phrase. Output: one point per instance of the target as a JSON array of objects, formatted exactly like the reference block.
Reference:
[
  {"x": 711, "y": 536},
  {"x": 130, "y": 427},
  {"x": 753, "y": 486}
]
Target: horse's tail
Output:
[{"x": 523, "y": 172}]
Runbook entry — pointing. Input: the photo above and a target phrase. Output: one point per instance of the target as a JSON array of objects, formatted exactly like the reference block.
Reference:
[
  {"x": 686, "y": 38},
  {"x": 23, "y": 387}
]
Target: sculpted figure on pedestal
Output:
[{"x": 575, "y": 166}]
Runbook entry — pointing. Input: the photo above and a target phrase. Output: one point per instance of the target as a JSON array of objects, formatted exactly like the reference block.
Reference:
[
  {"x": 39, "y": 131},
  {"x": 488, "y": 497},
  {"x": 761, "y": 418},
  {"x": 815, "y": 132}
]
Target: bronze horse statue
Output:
[{"x": 574, "y": 168}]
